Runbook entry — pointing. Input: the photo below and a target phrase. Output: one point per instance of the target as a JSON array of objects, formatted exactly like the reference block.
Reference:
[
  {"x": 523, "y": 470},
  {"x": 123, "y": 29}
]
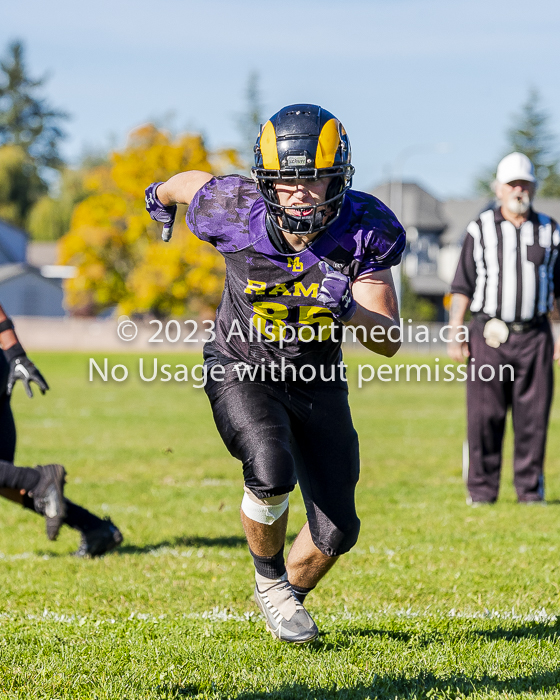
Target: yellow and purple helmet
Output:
[{"x": 303, "y": 142}]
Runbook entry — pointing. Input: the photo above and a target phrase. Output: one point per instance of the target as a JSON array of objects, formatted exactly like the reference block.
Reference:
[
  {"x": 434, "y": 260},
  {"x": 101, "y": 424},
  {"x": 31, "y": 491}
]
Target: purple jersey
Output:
[{"x": 269, "y": 309}]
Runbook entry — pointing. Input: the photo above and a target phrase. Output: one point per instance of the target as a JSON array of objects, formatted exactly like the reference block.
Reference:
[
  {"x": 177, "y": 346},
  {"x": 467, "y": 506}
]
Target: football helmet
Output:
[{"x": 303, "y": 142}]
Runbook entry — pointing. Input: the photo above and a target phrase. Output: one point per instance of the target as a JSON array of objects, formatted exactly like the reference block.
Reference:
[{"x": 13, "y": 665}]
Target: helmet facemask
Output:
[
  {"x": 289, "y": 148},
  {"x": 322, "y": 214}
]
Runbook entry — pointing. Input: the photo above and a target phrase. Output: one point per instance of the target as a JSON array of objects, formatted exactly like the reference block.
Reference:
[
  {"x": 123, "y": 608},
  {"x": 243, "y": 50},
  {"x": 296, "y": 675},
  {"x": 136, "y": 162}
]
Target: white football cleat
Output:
[{"x": 286, "y": 618}]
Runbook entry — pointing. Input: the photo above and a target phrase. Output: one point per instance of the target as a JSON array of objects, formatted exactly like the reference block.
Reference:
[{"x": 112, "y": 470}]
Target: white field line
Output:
[
  {"x": 158, "y": 551},
  {"x": 218, "y": 614}
]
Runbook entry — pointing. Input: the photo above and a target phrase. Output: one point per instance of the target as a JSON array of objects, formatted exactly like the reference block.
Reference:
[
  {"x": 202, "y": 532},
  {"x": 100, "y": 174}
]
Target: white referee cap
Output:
[{"x": 516, "y": 166}]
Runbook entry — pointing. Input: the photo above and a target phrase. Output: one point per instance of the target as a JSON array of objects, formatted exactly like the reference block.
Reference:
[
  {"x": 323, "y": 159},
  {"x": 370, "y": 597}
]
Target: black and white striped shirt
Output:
[{"x": 510, "y": 273}]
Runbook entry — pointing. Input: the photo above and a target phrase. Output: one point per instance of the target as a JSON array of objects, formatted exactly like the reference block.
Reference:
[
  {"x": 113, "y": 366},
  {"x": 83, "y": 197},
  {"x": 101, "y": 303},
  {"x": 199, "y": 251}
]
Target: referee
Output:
[{"x": 509, "y": 275}]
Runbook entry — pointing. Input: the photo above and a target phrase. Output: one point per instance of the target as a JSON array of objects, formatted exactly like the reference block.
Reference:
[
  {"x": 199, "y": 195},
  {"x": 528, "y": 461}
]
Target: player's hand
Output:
[
  {"x": 22, "y": 368},
  {"x": 157, "y": 210},
  {"x": 335, "y": 293}
]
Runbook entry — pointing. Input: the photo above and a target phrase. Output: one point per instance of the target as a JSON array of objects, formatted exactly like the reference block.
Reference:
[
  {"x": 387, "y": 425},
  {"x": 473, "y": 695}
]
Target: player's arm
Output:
[
  {"x": 181, "y": 188},
  {"x": 458, "y": 349},
  {"x": 376, "y": 306},
  {"x": 162, "y": 197},
  {"x": 21, "y": 366}
]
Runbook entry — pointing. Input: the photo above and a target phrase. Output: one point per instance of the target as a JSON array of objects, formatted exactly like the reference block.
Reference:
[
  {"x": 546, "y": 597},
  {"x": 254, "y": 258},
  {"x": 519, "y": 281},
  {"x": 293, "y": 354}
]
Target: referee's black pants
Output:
[{"x": 529, "y": 395}]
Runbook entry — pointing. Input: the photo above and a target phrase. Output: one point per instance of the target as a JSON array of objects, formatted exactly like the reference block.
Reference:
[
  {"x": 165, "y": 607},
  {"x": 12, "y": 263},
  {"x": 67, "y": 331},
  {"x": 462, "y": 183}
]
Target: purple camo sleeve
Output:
[
  {"x": 383, "y": 239},
  {"x": 219, "y": 212}
]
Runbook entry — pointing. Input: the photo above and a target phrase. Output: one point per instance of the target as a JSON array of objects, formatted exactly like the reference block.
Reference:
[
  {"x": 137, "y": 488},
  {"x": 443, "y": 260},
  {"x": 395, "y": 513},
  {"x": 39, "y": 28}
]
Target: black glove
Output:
[{"x": 22, "y": 368}]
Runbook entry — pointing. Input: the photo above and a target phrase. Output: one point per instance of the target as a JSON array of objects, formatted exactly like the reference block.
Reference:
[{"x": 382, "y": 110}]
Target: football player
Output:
[
  {"x": 41, "y": 488},
  {"x": 305, "y": 255}
]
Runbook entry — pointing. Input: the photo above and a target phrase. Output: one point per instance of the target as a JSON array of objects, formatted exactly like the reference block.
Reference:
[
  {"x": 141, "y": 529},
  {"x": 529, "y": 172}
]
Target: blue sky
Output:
[{"x": 402, "y": 75}]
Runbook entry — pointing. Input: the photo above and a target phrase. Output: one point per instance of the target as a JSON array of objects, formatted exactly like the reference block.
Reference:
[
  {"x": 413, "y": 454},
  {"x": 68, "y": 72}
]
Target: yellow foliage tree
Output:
[{"x": 117, "y": 249}]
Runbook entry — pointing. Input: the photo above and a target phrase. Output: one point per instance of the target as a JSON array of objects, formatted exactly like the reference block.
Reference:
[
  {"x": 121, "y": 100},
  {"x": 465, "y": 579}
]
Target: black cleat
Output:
[
  {"x": 97, "y": 542},
  {"x": 48, "y": 497}
]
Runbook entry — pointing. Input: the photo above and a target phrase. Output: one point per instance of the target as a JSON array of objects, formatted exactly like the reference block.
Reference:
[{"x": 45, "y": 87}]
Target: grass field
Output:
[{"x": 437, "y": 600}]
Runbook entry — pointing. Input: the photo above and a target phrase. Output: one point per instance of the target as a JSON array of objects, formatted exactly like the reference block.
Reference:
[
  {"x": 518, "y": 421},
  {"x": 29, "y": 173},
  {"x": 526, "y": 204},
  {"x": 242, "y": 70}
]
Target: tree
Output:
[
  {"x": 118, "y": 250},
  {"x": 249, "y": 121},
  {"x": 530, "y": 134},
  {"x": 20, "y": 184},
  {"x": 26, "y": 119},
  {"x": 29, "y": 137},
  {"x": 50, "y": 217},
  {"x": 414, "y": 306}
]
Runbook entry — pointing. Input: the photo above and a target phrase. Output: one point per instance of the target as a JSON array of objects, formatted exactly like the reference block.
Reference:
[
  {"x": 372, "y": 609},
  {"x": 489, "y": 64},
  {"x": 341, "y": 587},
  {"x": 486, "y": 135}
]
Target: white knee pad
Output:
[{"x": 263, "y": 512}]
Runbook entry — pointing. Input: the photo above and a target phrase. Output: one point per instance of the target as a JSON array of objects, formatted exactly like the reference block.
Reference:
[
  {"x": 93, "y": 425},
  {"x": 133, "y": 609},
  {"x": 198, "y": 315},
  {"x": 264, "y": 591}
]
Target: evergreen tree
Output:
[
  {"x": 29, "y": 138},
  {"x": 530, "y": 134},
  {"x": 26, "y": 118}
]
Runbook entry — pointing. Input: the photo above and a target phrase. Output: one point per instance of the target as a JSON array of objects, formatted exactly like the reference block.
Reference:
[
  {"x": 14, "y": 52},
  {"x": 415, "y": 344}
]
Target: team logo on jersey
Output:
[{"x": 295, "y": 264}]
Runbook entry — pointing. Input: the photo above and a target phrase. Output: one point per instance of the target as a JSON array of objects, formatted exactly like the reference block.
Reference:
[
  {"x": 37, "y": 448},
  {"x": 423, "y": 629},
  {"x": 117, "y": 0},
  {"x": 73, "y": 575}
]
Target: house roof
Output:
[
  {"x": 451, "y": 217},
  {"x": 419, "y": 208},
  {"x": 460, "y": 212},
  {"x": 13, "y": 270},
  {"x": 8, "y": 272}
]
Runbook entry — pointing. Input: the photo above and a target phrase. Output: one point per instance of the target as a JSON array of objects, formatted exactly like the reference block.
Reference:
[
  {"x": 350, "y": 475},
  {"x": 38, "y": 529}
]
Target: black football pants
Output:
[{"x": 289, "y": 432}]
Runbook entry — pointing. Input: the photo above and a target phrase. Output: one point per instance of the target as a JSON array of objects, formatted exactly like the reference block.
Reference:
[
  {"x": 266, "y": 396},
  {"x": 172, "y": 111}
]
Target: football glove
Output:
[
  {"x": 335, "y": 293},
  {"x": 22, "y": 368},
  {"x": 160, "y": 212}
]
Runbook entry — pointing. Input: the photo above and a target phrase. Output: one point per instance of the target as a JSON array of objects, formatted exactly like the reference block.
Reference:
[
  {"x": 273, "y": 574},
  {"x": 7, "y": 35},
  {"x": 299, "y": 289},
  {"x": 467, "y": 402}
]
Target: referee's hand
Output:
[
  {"x": 557, "y": 350},
  {"x": 458, "y": 351}
]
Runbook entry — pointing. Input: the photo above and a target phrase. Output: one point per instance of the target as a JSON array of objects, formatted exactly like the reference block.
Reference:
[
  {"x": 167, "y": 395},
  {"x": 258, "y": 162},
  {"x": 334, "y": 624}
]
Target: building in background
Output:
[
  {"x": 435, "y": 231},
  {"x": 30, "y": 281}
]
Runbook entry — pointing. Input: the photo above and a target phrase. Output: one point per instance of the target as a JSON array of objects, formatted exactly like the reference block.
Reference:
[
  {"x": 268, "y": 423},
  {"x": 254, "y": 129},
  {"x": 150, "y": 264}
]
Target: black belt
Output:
[{"x": 517, "y": 326}]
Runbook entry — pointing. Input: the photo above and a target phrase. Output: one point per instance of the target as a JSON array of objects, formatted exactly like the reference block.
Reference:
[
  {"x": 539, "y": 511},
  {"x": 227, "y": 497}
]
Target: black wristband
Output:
[
  {"x": 7, "y": 325},
  {"x": 14, "y": 351}
]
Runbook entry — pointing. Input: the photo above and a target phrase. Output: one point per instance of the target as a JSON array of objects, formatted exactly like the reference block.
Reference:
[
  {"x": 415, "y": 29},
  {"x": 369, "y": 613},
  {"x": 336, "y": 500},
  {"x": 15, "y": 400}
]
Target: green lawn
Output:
[{"x": 437, "y": 600}]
